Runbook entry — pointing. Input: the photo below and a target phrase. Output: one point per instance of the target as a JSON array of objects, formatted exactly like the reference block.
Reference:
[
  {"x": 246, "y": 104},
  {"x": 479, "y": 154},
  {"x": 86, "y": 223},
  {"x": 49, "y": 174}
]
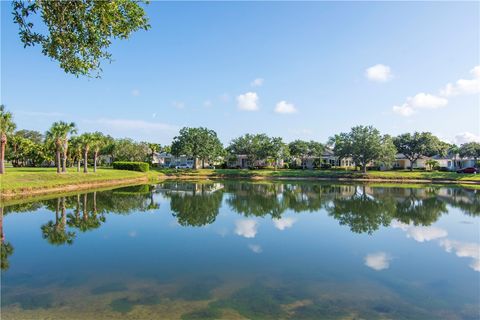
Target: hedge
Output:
[{"x": 133, "y": 166}]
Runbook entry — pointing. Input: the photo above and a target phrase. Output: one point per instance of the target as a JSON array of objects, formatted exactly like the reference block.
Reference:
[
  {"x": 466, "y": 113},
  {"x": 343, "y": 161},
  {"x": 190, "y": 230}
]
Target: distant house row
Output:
[{"x": 449, "y": 162}]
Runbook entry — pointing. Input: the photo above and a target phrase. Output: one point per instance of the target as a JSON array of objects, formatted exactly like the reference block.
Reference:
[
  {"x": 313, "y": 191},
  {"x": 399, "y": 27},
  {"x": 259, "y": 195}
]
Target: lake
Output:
[{"x": 245, "y": 250}]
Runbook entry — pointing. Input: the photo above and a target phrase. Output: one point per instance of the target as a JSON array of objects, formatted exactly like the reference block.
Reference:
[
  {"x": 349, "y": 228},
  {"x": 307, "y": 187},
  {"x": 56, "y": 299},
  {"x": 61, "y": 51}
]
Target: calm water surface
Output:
[{"x": 242, "y": 250}]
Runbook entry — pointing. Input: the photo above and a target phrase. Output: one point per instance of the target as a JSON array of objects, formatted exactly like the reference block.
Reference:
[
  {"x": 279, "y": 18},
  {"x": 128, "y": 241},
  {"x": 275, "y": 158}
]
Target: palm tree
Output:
[
  {"x": 98, "y": 142},
  {"x": 6, "y": 128},
  {"x": 77, "y": 146},
  {"x": 58, "y": 134},
  {"x": 87, "y": 141}
]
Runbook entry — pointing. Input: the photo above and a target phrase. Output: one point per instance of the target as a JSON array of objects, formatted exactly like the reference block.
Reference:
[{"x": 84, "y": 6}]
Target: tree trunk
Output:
[
  {"x": 85, "y": 158},
  {"x": 364, "y": 168},
  {"x": 3, "y": 142},
  {"x": 195, "y": 163},
  {"x": 2, "y": 236},
  {"x": 57, "y": 157},
  {"x": 203, "y": 163},
  {"x": 79, "y": 157},
  {"x": 95, "y": 155},
  {"x": 64, "y": 161}
]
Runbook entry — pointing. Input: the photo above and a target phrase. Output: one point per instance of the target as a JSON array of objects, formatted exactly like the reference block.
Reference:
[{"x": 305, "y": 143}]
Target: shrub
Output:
[
  {"x": 286, "y": 166},
  {"x": 326, "y": 166},
  {"x": 133, "y": 166}
]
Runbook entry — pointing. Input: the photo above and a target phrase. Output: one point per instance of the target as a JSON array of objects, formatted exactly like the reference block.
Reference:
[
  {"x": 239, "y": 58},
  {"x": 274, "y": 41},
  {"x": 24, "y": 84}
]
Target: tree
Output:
[
  {"x": 87, "y": 141},
  {"x": 98, "y": 141},
  {"x": 278, "y": 150},
  {"x": 432, "y": 164},
  {"x": 77, "y": 34},
  {"x": 7, "y": 126},
  {"x": 77, "y": 147},
  {"x": 415, "y": 146},
  {"x": 128, "y": 150},
  {"x": 58, "y": 135},
  {"x": 199, "y": 143},
  {"x": 254, "y": 146},
  {"x": 470, "y": 149},
  {"x": 364, "y": 144},
  {"x": 305, "y": 149}
]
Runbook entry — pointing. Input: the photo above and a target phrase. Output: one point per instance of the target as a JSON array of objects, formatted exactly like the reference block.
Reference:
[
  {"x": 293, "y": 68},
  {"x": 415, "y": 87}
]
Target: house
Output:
[
  {"x": 167, "y": 160},
  {"x": 451, "y": 162},
  {"x": 327, "y": 157},
  {"x": 241, "y": 161},
  {"x": 401, "y": 162}
]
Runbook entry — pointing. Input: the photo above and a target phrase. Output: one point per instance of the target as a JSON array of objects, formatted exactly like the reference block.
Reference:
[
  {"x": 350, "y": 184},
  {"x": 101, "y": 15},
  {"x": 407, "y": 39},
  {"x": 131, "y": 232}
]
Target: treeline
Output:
[{"x": 364, "y": 145}]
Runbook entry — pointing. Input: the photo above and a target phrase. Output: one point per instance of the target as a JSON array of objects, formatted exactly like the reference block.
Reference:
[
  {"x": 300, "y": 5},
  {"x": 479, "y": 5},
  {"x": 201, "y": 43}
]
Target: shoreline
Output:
[{"x": 26, "y": 194}]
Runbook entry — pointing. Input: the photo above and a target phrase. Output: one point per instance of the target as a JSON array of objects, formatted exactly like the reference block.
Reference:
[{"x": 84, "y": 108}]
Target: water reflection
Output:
[
  {"x": 364, "y": 209},
  {"x": 290, "y": 250}
]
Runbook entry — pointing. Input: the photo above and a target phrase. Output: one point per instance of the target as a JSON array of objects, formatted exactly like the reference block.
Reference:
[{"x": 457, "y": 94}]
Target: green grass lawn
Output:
[
  {"x": 289, "y": 173},
  {"x": 24, "y": 179}
]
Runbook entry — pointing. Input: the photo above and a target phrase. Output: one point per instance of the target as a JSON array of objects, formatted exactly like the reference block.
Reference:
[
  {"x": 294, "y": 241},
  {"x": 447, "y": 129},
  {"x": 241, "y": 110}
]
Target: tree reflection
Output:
[
  {"x": 196, "y": 205},
  {"x": 6, "y": 249},
  {"x": 55, "y": 232},
  {"x": 362, "y": 212}
]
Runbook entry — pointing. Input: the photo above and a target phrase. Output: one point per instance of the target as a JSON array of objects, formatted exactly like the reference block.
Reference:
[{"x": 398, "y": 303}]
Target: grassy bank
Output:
[
  {"x": 34, "y": 181},
  {"x": 19, "y": 181},
  {"x": 327, "y": 174}
]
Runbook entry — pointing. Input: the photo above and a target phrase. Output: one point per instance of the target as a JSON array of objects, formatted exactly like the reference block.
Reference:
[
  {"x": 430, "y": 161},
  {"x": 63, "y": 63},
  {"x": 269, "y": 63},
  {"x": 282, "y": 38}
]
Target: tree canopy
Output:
[
  {"x": 364, "y": 144},
  {"x": 78, "y": 33},
  {"x": 414, "y": 146},
  {"x": 199, "y": 143}
]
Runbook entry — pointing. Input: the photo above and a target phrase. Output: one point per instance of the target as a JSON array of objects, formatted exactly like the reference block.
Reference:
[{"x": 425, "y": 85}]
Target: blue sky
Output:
[{"x": 198, "y": 64}]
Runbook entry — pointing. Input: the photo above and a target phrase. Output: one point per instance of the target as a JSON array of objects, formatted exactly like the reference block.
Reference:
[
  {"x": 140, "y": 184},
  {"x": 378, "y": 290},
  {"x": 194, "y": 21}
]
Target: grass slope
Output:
[{"x": 24, "y": 179}]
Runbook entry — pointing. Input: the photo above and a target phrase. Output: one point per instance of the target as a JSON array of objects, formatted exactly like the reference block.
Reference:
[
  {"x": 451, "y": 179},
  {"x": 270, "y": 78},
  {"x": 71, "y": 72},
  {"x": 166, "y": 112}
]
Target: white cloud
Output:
[
  {"x": 134, "y": 124},
  {"x": 378, "y": 261},
  {"x": 248, "y": 101},
  {"x": 255, "y": 248},
  {"x": 284, "y": 223},
  {"x": 422, "y": 234},
  {"x": 464, "y": 86},
  {"x": 207, "y": 103},
  {"x": 178, "y": 104},
  {"x": 403, "y": 110},
  {"x": 379, "y": 73},
  {"x": 132, "y": 234},
  {"x": 464, "y": 250},
  {"x": 430, "y": 101},
  {"x": 135, "y": 92},
  {"x": 257, "y": 82},
  {"x": 427, "y": 101},
  {"x": 419, "y": 101},
  {"x": 465, "y": 137},
  {"x": 285, "y": 107},
  {"x": 246, "y": 228}
]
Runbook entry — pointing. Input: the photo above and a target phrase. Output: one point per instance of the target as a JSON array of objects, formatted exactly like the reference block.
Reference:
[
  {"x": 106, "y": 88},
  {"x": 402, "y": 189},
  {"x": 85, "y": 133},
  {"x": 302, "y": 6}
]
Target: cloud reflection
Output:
[
  {"x": 284, "y": 223},
  {"x": 378, "y": 261},
  {"x": 255, "y": 248},
  {"x": 464, "y": 250},
  {"x": 246, "y": 228},
  {"x": 421, "y": 234}
]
